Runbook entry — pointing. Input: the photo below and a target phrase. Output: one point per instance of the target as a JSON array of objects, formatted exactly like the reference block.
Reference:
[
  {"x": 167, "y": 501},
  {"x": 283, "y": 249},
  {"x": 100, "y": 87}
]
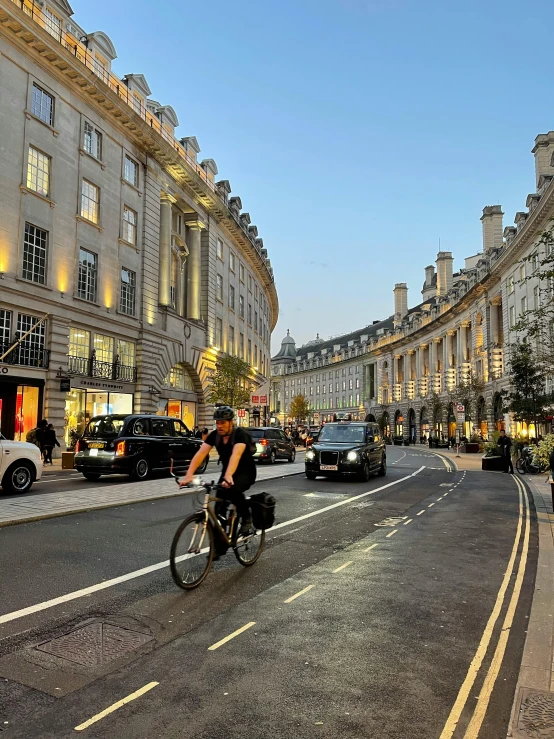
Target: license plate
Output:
[
  {"x": 96, "y": 445},
  {"x": 93, "y": 452},
  {"x": 329, "y": 467}
]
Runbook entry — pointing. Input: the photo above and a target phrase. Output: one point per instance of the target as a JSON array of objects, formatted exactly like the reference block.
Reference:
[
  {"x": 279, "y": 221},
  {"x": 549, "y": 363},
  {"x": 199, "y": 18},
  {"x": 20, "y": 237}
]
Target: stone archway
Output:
[
  {"x": 481, "y": 420},
  {"x": 423, "y": 425},
  {"x": 384, "y": 423},
  {"x": 412, "y": 430},
  {"x": 398, "y": 424},
  {"x": 451, "y": 421},
  {"x": 370, "y": 417},
  {"x": 498, "y": 412}
]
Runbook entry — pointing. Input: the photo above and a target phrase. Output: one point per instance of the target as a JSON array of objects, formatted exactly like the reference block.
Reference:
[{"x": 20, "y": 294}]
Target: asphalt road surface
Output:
[{"x": 375, "y": 610}]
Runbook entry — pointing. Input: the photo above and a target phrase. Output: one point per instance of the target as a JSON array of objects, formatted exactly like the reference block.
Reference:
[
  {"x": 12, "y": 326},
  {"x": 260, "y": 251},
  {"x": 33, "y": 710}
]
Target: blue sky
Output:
[{"x": 356, "y": 132}]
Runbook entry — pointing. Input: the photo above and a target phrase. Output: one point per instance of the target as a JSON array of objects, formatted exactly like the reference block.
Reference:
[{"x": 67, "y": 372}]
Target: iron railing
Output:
[
  {"x": 92, "y": 367},
  {"x": 26, "y": 355}
]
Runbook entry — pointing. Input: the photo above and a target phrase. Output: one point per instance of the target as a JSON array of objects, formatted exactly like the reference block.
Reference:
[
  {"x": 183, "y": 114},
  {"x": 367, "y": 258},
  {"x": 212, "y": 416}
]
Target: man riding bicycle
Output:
[{"x": 239, "y": 468}]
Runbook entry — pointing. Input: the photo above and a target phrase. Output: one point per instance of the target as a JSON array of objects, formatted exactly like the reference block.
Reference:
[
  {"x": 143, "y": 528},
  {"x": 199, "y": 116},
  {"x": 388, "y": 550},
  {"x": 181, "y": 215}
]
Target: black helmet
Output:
[{"x": 224, "y": 413}]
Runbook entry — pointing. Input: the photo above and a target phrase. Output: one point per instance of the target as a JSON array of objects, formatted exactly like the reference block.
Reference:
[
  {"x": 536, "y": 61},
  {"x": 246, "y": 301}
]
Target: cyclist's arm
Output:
[
  {"x": 238, "y": 450},
  {"x": 195, "y": 463}
]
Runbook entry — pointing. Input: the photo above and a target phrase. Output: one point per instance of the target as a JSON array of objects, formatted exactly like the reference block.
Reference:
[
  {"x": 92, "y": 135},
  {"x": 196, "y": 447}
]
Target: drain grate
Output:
[
  {"x": 535, "y": 714},
  {"x": 95, "y": 644}
]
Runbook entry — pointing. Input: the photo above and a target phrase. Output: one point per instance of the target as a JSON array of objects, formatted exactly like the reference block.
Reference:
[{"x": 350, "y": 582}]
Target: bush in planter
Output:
[
  {"x": 544, "y": 450},
  {"x": 397, "y": 440},
  {"x": 491, "y": 447}
]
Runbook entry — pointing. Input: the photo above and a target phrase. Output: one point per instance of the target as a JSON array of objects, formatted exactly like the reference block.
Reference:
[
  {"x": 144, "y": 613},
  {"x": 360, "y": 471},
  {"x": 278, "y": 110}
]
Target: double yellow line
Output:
[{"x": 474, "y": 726}]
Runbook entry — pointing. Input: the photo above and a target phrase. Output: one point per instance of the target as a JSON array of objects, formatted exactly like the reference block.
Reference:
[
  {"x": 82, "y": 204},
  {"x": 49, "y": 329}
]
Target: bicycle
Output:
[
  {"x": 526, "y": 463},
  {"x": 194, "y": 545}
]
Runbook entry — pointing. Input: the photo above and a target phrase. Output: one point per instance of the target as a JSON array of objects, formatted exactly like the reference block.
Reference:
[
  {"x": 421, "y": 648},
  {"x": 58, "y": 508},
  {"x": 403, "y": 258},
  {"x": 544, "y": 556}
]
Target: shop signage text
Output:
[{"x": 98, "y": 384}]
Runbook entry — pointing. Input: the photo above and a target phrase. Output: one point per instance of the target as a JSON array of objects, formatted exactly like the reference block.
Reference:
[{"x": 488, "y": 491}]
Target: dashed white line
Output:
[
  {"x": 430, "y": 505},
  {"x": 344, "y": 566},
  {"x": 392, "y": 533},
  {"x": 408, "y": 521},
  {"x": 297, "y": 595},
  {"x": 371, "y": 547},
  {"x": 419, "y": 514},
  {"x": 231, "y": 636}
]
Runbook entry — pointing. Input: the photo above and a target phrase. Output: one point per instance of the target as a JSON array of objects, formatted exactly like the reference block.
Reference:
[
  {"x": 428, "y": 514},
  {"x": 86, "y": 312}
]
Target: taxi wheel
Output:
[
  {"x": 365, "y": 474},
  {"x": 272, "y": 457},
  {"x": 92, "y": 476},
  {"x": 311, "y": 475},
  {"x": 383, "y": 468},
  {"x": 18, "y": 478},
  {"x": 141, "y": 469},
  {"x": 202, "y": 468},
  {"x": 292, "y": 455}
]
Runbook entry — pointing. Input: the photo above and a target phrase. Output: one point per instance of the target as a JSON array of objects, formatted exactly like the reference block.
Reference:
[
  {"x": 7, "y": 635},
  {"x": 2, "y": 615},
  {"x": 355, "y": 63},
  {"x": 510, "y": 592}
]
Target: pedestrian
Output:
[
  {"x": 505, "y": 446},
  {"x": 204, "y": 434},
  {"x": 49, "y": 441},
  {"x": 36, "y": 435},
  {"x": 197, "y": 433}
]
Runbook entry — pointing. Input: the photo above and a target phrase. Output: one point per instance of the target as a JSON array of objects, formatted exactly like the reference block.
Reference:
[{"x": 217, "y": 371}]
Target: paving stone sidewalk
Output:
[{"x": 49, "y": 505}]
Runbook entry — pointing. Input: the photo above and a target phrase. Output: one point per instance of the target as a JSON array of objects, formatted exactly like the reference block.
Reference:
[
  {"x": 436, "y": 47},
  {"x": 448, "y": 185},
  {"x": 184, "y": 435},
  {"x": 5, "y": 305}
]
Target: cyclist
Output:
[{"x": 239, "y": 468}]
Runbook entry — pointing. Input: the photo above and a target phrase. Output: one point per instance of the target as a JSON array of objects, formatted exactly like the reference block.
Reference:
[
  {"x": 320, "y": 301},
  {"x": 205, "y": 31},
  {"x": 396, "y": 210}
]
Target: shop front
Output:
[
  {"x": 91, "y": 397},
  {"x": 21, "y": 402},
  {"x": 179, "y": 408},
  {"x": 178, "y": 398}
]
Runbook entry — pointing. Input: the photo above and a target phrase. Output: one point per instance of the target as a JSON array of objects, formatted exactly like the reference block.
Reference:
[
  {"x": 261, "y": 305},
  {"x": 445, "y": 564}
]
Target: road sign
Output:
[{"x": 460, "y": 408}]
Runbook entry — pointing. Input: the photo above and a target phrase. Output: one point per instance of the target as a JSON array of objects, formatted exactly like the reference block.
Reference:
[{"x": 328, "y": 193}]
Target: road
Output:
[{"x": 390, "y": 633}]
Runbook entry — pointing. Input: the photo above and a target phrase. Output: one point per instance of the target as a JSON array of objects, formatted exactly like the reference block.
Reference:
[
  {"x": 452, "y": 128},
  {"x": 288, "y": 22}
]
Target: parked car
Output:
[
  {"x": 271, "y": 444},
  {"x": 347, "y": 449},
  {"x": 20, "y": 465},
  {"x": 135, "y": 445}
]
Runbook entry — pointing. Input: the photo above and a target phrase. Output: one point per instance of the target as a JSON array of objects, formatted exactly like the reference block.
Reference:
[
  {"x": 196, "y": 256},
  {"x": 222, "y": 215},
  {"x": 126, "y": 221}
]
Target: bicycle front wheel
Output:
[
  {"x": 533, "y": 468},
  {"x": 192, "y": 551},
  {"x": 248, "y": 548},
  {"x": 520, "y": 466}
]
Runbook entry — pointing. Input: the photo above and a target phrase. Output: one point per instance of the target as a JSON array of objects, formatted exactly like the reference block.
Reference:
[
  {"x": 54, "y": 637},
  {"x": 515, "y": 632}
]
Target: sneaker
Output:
[{"x": 246, "y": 527}]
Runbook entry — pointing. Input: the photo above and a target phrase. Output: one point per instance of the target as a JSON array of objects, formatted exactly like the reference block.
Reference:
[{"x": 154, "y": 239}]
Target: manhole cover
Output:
[
  {"x": 95, "y": 644},
  {"x": 391, "y": 521},
  {"x": 535, "y": 714}
]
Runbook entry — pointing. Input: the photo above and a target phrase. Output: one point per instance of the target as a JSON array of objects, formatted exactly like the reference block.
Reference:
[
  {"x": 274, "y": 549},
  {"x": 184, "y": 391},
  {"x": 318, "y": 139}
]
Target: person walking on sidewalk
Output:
[
  {"x": 49, "y": 441},
  {"x": 505, "y": 446}
]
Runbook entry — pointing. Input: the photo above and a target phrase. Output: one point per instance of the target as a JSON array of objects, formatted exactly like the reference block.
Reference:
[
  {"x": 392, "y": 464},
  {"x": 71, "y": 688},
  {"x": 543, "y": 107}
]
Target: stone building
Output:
[
  {"x": 459, "y": 332},
  {"x": 126, "y": 266}
]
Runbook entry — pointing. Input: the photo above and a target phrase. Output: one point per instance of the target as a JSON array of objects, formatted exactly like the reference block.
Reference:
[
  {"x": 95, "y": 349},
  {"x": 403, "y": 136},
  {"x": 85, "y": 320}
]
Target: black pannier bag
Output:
[{"x": 263, "y": 510}]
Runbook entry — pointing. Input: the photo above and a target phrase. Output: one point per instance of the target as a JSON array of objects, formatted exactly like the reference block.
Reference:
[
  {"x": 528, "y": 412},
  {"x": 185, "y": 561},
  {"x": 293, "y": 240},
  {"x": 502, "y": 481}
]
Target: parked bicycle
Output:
[
  {"x": 207, "y": 534},
  {"x": 527, "y": 464}
]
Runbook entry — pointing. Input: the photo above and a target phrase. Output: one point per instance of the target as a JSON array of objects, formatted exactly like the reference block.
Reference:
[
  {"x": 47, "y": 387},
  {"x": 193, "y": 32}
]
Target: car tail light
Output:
[
  {"x": 120, "y": 449},
  {"x": 264, "y": 442},
  {"x": 79, "y": 446}
]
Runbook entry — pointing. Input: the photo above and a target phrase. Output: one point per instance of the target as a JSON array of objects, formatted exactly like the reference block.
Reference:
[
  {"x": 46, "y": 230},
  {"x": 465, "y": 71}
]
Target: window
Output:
[
  {"x": 344, "y": 384},
  {"x": 30, "y": 349},
  {"x": 218, "y": 333},
  {"x": 524, "y": 304},
  {"x": 231, "y": 297},
  {"x": 241, "y": 272},
  {"x": 219, "y": 288},
  {"x": 87, "y": 278},
  {"x": 241, "y": 306},
  {"x": 311, "y": 391},
  {"x": 255, "y": 356},
  {"x": 357, "y": 383},
  {"x": 52, "y": 24},
  {"x": 535, "y": 262},
  {"x": 129, "y": 225},
  {"x": 79, "y": 343},
  {"x": 256, "y": 321},
  {"x": 536, "y": 297},
  {"x": 93, "y": 141},
  {"x": 512, "y": 315},
  {"x": 330, "y": 387},
  {"x": 231, "y": 342},
  {"x": 90, "y": 201},
  {"x": 220, "y": 249},
  {"x": 34, "y": 254},
  {"x": 127, "y": 292},
  {"x": 337, "y": 387},
  {"x": 5, "y": 326},
  {"x": 38, "y": 172},
  {"x": 250, "y": 313},
  {"x": 137, "y": 104},
  {"x": 255, "y": 291},
  {"x": 249, "y": 357},
  {"x": 232, "y": 261},
  {"x": 100, "y": 67},
  {"x": 42, "y": 105},
  {"x": 522, "y": 272},
  {"x": 350, "y": 384},
  {"x": 126, "y": 351},
  {"x": 174, "y": 280},
  {"x": 130, "y": 171},
  {"x": 249, "y": 283},
  {"x": 510, "y": 284},
  {"x": 241, "y": 346}
]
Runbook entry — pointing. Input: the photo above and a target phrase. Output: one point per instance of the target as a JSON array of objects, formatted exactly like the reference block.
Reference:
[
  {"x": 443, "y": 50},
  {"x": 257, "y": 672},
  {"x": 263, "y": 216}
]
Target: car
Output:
[
  {"x": 136, "y": 445},
  {"x": 313, "y": 436},
  {"x": 347, "y": 449},
  {"x": 20, "y": 465},
  {"x": 271, "y": 444}
]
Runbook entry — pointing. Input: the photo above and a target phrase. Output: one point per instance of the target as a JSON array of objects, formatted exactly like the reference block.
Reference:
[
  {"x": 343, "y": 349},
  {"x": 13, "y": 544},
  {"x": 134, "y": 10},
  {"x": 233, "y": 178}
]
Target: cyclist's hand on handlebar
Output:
[
  {"x": 228, "y": 481},
  {"x": 186, "y": 481}
]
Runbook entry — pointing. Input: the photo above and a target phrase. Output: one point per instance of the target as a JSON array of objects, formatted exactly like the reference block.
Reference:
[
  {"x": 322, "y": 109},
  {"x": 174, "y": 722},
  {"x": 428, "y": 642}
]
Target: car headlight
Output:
[
  {"x": 352, "y": 456},
  {"x": 310, "y": 455}
]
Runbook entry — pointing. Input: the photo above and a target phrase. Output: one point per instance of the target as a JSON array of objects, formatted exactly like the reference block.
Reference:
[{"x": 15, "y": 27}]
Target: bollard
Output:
[{"x": 551, "y": 481}]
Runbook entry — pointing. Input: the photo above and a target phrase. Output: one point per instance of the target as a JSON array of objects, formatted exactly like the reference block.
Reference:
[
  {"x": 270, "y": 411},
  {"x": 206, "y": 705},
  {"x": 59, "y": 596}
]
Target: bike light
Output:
[
  {"x": 352, "y": 456},
  {"x": 197, "y": 481},
  {"x": 120, "y": 449},
  {"x": 310, "y": 455}
]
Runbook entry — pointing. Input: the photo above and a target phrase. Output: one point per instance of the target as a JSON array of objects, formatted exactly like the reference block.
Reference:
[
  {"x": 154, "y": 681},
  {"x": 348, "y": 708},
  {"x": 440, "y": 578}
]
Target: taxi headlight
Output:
[
  {"x": 310, "y": 455},
  {"x": 352, "y": 456}
]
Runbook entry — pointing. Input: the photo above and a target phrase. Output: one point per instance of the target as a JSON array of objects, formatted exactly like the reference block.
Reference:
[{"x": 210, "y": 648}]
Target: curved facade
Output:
[
  {"x": 461, "y": 328},
  {"x": 125, "y": 264}
]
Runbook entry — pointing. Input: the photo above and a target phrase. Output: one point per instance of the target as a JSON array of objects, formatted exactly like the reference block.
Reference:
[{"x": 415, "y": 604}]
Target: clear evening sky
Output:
[{"x": 356, "y": 132}]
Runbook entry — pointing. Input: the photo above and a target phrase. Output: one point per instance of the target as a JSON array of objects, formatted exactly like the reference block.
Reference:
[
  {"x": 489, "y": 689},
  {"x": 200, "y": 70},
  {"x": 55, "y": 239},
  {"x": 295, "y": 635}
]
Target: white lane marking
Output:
[
  {"x": 421, "y": 513},
  {"x": 231, "y": 636},
  {"x": 444, "y": 496},
  {"x": 115, "y": 706},
  {"x": 408, "y": 521},
  {"x": 297, "y": 595},
  {"x": 439, "y": 498},
  {"x": 430, "y": 505},
  {"x": 392, "y": 533},
  {"x": 400, "y": 458},
  {"x": 474, "y": 727},
  {"x": 477, "y": 661},
  {"x": 161, "y": 565},
  {"x": 343, "y": 567},
  {"x": 371, "y": 547}
]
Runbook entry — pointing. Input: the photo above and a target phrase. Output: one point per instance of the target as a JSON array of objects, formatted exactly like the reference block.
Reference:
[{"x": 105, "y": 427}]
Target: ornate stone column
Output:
[
  {"x": 166, "y": 202},
  {"x": 194, "y": 269}
]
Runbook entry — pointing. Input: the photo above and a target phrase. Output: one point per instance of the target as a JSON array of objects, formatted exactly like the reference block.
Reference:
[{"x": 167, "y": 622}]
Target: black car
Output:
[
  {"x": 347, "y": 448},
  {"x": 135, "y": 445},
  {"x": 271, "y": 444}
]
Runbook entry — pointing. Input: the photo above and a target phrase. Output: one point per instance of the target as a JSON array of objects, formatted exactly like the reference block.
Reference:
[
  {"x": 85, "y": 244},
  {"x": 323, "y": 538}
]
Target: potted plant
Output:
[
  {"x": 492, "y": 459},
  {"x": 397, "y": 440},
  {"x": 472, "y": 446}
]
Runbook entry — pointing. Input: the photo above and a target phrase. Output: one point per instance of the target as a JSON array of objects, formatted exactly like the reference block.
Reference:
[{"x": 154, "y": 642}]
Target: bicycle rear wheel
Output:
[
  {"x": 247, "y": 549},
  {"x": 520, "y": 466},
  {"x": 533, "y": 468},
  {"x": 192, "y": 551}
]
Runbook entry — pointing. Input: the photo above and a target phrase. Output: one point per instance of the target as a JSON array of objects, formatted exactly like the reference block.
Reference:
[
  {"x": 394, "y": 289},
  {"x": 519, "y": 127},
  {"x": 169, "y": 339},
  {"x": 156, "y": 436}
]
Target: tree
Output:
[
  {"x": 468, "y": 392},
  {"x": 527, "y": 398},
  {"x": 230, "y": 383},
  {"x": 437, "y": 407},
  {"x": 299, "y": 408}
]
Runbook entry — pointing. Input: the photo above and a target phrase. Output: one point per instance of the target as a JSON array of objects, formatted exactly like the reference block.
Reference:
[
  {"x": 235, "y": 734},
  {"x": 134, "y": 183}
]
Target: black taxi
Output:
[
  {"x": 135, "y": 445},
  {"x": 347, "y": 448}
]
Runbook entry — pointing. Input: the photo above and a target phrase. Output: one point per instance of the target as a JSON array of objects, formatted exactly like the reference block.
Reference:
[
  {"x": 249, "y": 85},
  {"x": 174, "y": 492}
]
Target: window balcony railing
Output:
[
  {"x": 92, "y": 367},
  {"x": 25, "y": 355}
]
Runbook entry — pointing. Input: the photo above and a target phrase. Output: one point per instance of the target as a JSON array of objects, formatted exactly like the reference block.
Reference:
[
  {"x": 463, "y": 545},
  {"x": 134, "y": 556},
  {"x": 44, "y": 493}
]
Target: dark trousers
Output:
[
  {"x": 508, "y": 466},
  {"x": 235, "y": 494},
  {"x": 47, "y": 454}
]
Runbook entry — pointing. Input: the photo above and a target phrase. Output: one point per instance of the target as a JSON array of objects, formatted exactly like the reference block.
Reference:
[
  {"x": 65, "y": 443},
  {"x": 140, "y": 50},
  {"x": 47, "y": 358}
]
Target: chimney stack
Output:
[
  {"x": 543, "y": 150},
  {"x": 492, "y": 227},
  {"x": 444, "y": 264},
  {"x": 428, "y": 287},
  {"x": 400, "y": 302}
]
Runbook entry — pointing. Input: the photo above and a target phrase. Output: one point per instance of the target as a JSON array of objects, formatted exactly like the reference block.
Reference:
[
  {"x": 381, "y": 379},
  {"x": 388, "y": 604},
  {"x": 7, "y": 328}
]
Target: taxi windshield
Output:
[{"x": 343, "y": 434}]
